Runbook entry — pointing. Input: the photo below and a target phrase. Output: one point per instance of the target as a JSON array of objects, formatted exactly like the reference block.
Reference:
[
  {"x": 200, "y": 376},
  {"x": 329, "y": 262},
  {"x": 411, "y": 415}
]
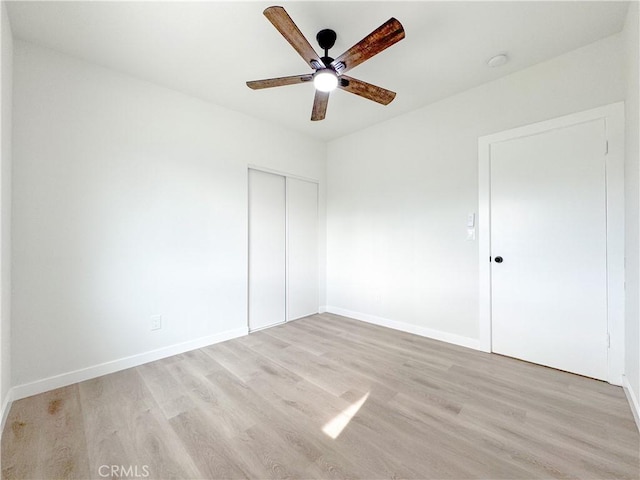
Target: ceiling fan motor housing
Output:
[{"x": 326, "y": 39}]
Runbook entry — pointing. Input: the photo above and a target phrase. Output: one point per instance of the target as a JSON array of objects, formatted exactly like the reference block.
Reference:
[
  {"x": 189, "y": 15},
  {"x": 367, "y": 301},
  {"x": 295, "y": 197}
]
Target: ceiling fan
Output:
[{"x": 330, "y": 73}]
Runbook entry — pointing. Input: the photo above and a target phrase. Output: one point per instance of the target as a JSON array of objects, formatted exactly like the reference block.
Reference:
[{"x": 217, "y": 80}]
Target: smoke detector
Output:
[{"x": 498, "y": 60}]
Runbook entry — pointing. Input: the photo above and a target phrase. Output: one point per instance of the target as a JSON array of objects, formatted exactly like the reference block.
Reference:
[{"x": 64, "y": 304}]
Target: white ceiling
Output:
[{"x": 209, "y": 49}]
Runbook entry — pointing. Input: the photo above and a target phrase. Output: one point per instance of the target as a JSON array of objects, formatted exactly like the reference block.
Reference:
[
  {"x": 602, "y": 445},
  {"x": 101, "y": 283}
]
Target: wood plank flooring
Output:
[{"x": 268, "y": 406}]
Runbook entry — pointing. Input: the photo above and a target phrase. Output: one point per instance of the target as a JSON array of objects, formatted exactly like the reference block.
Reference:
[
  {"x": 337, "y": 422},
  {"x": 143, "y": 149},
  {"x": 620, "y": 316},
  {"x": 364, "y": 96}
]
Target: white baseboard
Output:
[
  {"x": 409, "y": 328},
  {"x": 633, "y": 400},
  {"x": 6, "y": 406},
  {"x": 64, "y": 379},
  {"x": 322, "y": 309}
]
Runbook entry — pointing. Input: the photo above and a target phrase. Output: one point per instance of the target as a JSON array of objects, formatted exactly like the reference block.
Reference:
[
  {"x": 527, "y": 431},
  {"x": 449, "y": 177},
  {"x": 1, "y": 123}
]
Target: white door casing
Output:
[{"x": 600, "y": 134}]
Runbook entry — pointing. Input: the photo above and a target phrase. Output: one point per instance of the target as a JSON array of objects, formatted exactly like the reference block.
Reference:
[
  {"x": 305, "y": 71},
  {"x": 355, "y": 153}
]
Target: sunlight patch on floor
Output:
[{"x": 334, "y": 427}]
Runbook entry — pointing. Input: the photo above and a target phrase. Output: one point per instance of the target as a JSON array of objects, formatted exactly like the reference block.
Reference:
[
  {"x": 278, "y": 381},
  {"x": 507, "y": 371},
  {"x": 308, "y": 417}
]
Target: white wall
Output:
[
  {"x": 399, "y": 193},
  {"x": 130, "y": 200},
  {"x": 632, "y": 201},
  {"x": 6, "y": 78}
]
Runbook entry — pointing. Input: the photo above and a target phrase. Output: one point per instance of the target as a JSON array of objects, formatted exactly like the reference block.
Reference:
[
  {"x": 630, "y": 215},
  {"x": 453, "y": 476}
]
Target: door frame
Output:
[{"x": 613, "y": 116}]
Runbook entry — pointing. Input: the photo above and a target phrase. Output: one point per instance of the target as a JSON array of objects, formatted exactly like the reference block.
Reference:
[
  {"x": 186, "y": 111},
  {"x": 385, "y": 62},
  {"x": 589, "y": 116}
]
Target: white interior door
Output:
[
  {"x": 302, "y": 215},
  {"x": 267, "y": 240},
  {"x": 548, "y": 225}
]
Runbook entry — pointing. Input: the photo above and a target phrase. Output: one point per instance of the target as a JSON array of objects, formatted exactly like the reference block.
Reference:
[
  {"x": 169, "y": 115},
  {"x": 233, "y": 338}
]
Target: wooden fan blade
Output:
[
  {"x": 380, "y": 39},
  {"x": 366, "y": 90},
  {"x": 279, "y": 82},
  {"x": 320, "y": 103},
  {"x": 283, "y": 23}
]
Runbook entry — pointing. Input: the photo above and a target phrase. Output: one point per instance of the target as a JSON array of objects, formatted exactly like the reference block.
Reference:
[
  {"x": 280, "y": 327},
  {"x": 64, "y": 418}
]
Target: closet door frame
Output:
[{"x": 286, "y": 176}]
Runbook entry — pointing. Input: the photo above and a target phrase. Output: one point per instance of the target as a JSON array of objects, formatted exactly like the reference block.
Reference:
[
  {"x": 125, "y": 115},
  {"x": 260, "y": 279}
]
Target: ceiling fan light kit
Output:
[
  {"x": 325, "y": 80},
  {"x": 328, "y": 72}
]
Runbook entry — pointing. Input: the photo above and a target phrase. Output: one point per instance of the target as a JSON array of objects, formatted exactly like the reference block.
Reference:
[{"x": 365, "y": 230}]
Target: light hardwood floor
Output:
[{"x": 267, "y": 406}]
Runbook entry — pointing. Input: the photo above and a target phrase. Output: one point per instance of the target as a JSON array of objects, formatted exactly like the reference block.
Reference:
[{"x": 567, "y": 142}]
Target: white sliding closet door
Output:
[
  {"x": 267, "y": 249},
  {"x": 302, "y": 216}
]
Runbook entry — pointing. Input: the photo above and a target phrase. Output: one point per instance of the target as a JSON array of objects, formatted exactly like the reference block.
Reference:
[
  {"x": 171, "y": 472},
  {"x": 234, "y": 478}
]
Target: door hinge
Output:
[
  {"x": 606, "y": 147},
  {"x": 608, "y": 340}
]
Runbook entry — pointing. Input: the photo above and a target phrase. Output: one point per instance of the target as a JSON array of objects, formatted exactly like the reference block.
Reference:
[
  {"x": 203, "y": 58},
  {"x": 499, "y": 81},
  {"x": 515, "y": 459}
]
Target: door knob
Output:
[{"x": 498, "y": 259}]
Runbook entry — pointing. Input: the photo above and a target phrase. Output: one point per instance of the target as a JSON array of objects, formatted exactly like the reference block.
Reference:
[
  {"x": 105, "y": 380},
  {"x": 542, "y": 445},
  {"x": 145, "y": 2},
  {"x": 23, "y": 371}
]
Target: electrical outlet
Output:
[
  {"x": 471, "y": 233},
  {"x": 156, "y": 322}
]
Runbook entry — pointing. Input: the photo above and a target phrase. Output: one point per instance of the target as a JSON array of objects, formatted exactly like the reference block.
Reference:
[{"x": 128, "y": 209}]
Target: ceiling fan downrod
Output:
[{"x": 326, "y": 39}]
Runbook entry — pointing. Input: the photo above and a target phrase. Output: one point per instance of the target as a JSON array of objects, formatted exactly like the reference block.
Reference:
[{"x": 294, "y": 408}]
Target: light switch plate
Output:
[{"x": 471, "y": 220}]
